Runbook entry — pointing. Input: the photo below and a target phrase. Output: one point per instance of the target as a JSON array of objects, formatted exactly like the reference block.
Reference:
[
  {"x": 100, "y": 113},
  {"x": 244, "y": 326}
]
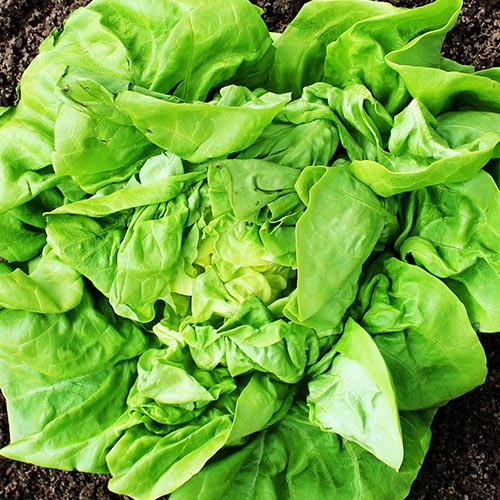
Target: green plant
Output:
[{"x": 243, "y": 265}]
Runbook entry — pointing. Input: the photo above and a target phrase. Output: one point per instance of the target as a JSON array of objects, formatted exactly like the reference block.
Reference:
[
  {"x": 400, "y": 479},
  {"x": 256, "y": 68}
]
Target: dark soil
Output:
[{"x": 464, "y": 460}]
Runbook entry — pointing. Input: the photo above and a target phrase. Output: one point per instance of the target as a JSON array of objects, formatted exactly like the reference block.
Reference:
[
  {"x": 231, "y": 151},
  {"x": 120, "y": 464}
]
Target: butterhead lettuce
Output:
[{"x": 243, "y": 265}]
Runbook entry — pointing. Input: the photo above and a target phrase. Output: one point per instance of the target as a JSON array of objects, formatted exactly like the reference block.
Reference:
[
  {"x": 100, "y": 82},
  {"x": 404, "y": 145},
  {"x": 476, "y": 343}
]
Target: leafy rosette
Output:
[{"x": 243, "y": 265}]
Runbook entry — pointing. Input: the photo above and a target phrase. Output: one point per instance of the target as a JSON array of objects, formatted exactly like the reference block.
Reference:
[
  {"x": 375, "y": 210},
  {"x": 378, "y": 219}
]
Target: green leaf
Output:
[
  {"x": 423, "y": 332},
  {"x": 251, "y": 341},
  {"x": 251, "y": 186},
  {"x": 172, "y": 459},
  {"x": 199, "y": 131},
  {"x": 118, "y": 269},
  {"x": 27, "y": 133},
  {"x": 234, "y": 45},
  {"x": 166, "y": 461},
  {"x": 301, "y": 50},
  {"x": 85, "y": 339},
  {"x": 335, "y": 236},
  {"x": 295, "y": 459},
  {"x": 20, "y": 241},
  {"x": 451, "y": 230},
  {"x": 295, "y": 145},
  {"x": 378, "y": 37},
  {"x": 49, "y": 286},
  {"x": 425, "y": 151},
  {"x": 68, "y": 423},
  {"x": 440, "y": 84},
  {"x": 355, "y": 398},
  {"x": 96, "y": 151}
]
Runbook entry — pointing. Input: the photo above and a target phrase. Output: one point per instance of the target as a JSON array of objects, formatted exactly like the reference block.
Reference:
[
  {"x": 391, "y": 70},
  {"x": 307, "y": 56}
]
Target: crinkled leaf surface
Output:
[
  {"x": 422, "y": 330},
  {"x": 452, "y": 231}
]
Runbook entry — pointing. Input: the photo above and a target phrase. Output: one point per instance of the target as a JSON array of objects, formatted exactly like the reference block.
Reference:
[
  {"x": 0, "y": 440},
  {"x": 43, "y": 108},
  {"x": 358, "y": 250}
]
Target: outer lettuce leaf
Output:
[
  {"x": 355, "y": 398},
  {"x": 146, "y": 465},
  {"x": 159, "y": 180},
  {"x": 95, "y": 151},
  {"x": 232, "y": 46},
  {"x": 425, "y": 151},
  {"x": 96, "y": 123},
  {"x": 23, "y": 227},
  {"x": 49, "y": 286},
  {"x": 25, "y": 156},
  {"x": 295, "y": 459},
  {"x": 171, "y": 459},
  {"x": 452, "y": 231},
  {"x": 94, "y": 143},
  {"x": 83, "y": 340},
  {"x": 124, "y": 236},
  {"x": 23, "y": 159},
  {"x": 377, "y": 37},
  {"x": 317, "y": 45},
  {"x": 106, "y": 36},
  {"x": 441, "y": 84},
  {"x": 301, "y": 49},
  {"x": 68, "y": 423},
  {"x": 20, "y": 241},
  {"x": 423, "y": 332},
  {"x": 362, "y": 123},
  {"x": 262, "y": 402},
  {"x": 119, "y": 270},
  {"x": 199, "y": 131}
]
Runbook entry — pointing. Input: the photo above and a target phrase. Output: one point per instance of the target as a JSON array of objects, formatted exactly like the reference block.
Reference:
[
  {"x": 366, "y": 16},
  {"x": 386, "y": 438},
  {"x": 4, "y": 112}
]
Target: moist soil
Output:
[{"x": 463, "y": 462}]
